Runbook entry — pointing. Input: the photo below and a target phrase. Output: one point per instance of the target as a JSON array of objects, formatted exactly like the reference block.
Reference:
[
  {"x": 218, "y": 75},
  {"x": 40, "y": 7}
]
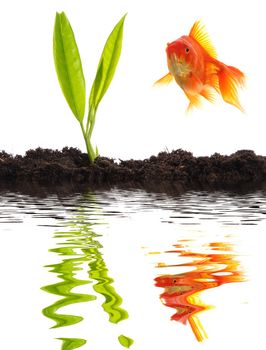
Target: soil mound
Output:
[{"x": 178, "y": 170}]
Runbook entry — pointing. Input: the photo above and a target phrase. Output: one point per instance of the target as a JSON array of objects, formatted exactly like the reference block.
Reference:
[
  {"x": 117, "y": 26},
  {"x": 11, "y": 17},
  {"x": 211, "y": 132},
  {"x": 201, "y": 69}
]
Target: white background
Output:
[{"x": 135, "y": 120}]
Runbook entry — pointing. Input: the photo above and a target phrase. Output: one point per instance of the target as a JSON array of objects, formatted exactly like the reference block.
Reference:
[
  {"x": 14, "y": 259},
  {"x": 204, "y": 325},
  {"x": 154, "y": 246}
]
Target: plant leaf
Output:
[
  {"x": 68, "y": 66},
  {"x": 107, "y": 64}
]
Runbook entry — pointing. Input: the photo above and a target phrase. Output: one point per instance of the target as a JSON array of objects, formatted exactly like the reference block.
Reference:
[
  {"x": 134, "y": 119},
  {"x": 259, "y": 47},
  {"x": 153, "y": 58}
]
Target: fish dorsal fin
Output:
[{"x": 199, "y": 33}]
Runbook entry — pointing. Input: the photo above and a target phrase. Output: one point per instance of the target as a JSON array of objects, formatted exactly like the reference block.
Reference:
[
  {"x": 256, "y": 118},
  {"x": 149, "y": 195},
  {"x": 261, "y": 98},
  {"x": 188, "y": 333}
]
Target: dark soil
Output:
[{"x": 178, "y": 170}]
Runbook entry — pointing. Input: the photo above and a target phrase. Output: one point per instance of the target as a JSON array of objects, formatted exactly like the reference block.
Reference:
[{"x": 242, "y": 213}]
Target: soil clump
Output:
[{"x": 177, "y": 170}]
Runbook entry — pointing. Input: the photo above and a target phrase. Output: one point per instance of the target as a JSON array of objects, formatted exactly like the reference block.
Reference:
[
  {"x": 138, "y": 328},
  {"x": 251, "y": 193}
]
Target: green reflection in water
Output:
[
  {"x": 125, "y": 341},
  {"x": 81, "y": 250},
  {"x": 66, "y": 271},
  {"x": 71, "y": 343},
  {"x": 112, "y": 302}
]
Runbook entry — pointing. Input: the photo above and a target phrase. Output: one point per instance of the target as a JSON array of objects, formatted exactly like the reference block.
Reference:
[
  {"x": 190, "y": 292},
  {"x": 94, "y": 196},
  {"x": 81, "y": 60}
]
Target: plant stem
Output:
[
  {"x": 90, "y": 121},
  {"x": 90, "y": 150}
]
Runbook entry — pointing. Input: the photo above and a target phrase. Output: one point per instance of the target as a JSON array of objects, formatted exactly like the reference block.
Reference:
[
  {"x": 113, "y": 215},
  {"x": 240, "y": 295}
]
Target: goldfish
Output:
[{"x": 192, "y": 62}]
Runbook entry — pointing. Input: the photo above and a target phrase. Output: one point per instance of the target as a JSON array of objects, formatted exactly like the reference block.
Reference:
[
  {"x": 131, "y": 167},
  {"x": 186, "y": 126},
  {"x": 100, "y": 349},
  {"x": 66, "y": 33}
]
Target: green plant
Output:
[{"x": 71, "y": 78}]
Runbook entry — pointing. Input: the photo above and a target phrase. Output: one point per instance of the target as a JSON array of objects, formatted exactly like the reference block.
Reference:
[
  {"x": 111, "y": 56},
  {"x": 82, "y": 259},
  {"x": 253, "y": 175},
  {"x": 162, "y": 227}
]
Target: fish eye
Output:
[{"x": 187, "y": 50}]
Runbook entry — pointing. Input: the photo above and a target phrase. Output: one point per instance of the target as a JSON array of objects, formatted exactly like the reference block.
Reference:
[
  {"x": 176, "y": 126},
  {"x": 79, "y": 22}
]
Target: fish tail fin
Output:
[{"x": 230, "y": 79}]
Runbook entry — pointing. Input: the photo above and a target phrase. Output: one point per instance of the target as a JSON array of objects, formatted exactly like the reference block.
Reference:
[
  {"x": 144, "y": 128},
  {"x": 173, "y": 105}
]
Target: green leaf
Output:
[
  {"x": 68, "y": 66},
  {"x": 107, "y": 65}
]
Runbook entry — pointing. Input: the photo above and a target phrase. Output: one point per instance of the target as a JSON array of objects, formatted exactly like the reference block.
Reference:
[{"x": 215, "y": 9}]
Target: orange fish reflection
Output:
[{"x": 182, "y": 291}]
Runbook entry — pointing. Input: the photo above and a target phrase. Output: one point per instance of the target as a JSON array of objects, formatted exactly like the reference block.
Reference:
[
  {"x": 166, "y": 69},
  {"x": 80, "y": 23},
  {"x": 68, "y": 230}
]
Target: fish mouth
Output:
[{"x": 178, "y": 67}]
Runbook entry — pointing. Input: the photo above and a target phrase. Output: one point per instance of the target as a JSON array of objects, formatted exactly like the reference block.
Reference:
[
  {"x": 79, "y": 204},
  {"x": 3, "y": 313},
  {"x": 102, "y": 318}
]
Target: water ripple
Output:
[
  {"x": 73, "y": 221},
  {"x": 188, "y": 208},
  {"x": 182, "y": 291},
  {"x": 80, "y": 249}
]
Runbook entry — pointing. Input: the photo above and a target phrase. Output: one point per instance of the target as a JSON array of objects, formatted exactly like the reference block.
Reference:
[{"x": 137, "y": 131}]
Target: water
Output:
[{"x": 118, "y": 269}]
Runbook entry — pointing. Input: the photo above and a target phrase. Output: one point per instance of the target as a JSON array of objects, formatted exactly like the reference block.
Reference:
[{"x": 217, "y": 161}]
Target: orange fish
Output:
[{"x": 192, "y": 62}]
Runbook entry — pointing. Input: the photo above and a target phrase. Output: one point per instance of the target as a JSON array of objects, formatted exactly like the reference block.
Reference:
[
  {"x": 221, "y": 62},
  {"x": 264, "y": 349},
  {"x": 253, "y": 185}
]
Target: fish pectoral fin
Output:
[
  {"x": 199, "y": 33},
  {"x": 164, "y": 80},
  {"x": 195, "y": 102},
  {"x": 209, "y": 93}
]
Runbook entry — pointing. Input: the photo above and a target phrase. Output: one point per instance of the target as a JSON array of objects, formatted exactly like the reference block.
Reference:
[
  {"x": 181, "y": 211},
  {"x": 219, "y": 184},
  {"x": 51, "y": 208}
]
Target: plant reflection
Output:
[
  {"x": 210, "y": 270},
  {"x": 82, "y": 251}
]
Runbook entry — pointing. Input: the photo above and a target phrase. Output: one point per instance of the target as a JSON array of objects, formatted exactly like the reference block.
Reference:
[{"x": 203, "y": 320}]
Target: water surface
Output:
[{"x": 118, "y": 269}]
